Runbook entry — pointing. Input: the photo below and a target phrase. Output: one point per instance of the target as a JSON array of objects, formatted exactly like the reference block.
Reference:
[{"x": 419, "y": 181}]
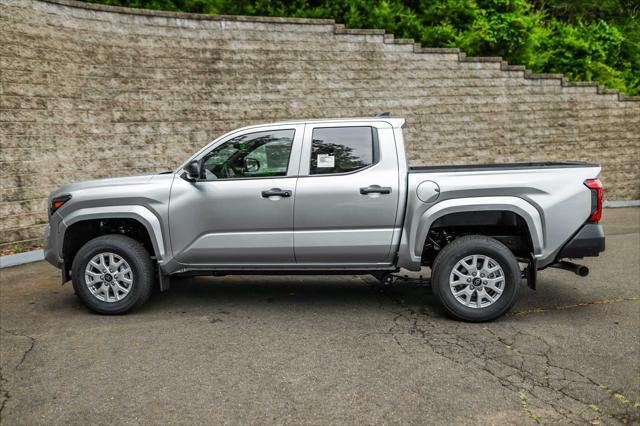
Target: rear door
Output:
[{"x": 347, "y": 195}]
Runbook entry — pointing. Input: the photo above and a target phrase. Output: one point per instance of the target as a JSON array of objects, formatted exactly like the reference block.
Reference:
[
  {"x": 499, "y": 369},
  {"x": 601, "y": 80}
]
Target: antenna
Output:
[{"x": 383, "y": 114}]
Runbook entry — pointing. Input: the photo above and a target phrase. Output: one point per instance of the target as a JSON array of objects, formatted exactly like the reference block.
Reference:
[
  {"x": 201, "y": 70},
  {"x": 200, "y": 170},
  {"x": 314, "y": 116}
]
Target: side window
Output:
[
  {"x": 260, "y": 154},
  {"x": 342, "y": 149}
]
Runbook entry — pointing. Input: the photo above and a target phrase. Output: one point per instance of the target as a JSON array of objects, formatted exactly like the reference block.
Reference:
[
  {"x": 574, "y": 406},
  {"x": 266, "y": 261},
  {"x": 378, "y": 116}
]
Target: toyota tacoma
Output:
[{"x": 326, "y": 196}]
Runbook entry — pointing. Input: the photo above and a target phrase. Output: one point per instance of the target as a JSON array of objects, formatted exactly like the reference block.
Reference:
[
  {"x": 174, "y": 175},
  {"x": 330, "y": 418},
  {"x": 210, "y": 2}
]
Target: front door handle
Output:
[
  {"x": 375, "y": 189},
  {"x": 276, "y": 192}
]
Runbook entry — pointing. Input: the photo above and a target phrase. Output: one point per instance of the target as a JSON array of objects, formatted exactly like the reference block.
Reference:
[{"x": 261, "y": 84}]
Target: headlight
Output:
[{"x": 58, "y": 202}]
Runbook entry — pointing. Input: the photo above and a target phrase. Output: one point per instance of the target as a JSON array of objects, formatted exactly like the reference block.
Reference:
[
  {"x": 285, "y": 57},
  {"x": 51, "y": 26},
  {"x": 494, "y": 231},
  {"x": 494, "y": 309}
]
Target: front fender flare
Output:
[{"x": 139, "y": 213}]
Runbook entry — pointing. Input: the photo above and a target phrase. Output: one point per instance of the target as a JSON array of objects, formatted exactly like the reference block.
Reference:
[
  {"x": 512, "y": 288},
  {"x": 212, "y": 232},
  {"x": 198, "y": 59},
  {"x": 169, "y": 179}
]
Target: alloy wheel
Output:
[
  {"x": 477, "y": 281},
  {"x": 109, "y": 277}
]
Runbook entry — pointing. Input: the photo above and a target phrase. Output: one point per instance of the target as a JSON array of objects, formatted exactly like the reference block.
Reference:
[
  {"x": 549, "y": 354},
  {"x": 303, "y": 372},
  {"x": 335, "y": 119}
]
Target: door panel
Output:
[
  {"x": 230, "y": 222},
  {"x": 336, "y": 221},
  {"x": 241, "y": 210}
]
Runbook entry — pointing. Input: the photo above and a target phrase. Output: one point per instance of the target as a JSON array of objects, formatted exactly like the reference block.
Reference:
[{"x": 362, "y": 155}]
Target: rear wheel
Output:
[
  {"x": 476, "y": 278},
  {"x": 112, "y": 274}
]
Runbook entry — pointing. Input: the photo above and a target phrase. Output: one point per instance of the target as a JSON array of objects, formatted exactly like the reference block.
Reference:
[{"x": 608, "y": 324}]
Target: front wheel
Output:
[
  {"x": 476, "y": 278},
  {"x": 112, "y": 274}
]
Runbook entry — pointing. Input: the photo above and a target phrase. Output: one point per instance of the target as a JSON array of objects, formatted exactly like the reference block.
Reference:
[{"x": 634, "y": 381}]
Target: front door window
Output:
[{"x": 252, "y": 155}]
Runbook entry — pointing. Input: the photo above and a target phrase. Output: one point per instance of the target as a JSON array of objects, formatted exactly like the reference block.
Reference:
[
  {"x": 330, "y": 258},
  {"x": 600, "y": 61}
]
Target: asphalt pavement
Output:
[{"x": 327, "y": 350}]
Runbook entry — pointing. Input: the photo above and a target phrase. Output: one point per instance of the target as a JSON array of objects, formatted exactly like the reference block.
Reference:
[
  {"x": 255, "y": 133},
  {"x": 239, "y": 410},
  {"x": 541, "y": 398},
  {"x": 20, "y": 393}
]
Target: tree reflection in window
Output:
[
  {"x": 260, "y": 154},
  {"x": 347, "y": 148}
]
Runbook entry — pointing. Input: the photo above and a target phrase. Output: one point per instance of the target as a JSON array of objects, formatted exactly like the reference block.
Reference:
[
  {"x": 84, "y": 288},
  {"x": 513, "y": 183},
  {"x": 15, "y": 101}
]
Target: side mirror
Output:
[
  {"x": 251, "y": 165},
  {"x": 192, "y": 171}
]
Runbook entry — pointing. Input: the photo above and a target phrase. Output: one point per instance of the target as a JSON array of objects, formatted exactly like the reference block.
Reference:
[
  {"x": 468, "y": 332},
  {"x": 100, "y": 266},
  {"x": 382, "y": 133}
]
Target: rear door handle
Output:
[
  {"x": 276, "y": 192},
  {"x": 375, "y": 189}
]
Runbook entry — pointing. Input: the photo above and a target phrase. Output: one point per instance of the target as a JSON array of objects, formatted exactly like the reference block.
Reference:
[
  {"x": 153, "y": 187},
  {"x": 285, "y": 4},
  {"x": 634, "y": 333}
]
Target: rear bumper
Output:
[{"x": 588, "y": 242}]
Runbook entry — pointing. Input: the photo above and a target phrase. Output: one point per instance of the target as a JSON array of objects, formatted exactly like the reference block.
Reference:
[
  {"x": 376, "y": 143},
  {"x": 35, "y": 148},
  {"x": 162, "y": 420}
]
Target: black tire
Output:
[
  {"x": 458, "y": 250},
  {"x": 135, "y": 255}
]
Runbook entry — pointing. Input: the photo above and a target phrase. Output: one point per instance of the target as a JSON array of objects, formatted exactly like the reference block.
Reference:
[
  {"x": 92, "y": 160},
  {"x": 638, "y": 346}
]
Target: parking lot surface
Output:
[{"x": 327, "y": 350}]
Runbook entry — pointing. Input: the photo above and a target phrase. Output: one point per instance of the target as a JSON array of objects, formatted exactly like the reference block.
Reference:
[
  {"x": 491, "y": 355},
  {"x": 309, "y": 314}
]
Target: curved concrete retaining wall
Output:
[{"x": 91, "y": 91}]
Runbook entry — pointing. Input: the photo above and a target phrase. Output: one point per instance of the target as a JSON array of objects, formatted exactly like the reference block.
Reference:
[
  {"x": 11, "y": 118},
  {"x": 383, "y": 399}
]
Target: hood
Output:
[{"x": 99, "y": 183}]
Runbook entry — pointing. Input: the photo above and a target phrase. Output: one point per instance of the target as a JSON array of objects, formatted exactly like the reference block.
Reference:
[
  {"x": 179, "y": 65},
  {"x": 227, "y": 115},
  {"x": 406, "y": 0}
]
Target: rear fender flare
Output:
[{"x": 513, "y": 204}]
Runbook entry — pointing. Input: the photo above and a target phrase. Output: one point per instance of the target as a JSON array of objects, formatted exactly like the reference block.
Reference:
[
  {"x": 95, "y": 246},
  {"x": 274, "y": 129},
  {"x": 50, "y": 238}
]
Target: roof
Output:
[{"x": 394, "y": 122}]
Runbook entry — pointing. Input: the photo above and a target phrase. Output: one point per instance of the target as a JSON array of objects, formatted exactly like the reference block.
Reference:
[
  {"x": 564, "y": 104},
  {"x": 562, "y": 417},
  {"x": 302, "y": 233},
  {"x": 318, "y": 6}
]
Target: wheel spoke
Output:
[
  {"x": 478, "y": 299},
  {"x": 470, "y": 265},
  {"x": 487, "y": 296},
  {"x": 104, "y": 290},
  {"x": 95, "y": 275},
  {"x": 95, "y": 286},
  {"x": 459, "y": 274},
  {"x": 96, "y": 265},
  {"x": 473, "y": 266},
  {"x": 487, "y": 269},
  {"x": 462, "y": 279},
  {"x": 124, "y": 290},
  {"x": 464, "y": 291},
  {"x": 491, "y": 284}
]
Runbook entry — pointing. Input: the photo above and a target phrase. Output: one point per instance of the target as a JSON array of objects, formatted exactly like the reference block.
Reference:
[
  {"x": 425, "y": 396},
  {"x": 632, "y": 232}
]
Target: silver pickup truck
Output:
[{"x": 326, "y": 196}]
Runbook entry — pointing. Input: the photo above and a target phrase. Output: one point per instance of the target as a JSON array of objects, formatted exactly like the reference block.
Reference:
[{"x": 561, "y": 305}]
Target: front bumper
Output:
[
  {"x": 50, "y": 247},
  {"x": 588, "y": 242}
]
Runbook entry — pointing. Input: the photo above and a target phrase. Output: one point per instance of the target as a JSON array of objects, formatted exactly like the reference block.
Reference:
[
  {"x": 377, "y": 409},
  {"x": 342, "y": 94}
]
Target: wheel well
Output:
[
  {"x": 507, "y": 227},
  {"x": 81, "y": 232}
]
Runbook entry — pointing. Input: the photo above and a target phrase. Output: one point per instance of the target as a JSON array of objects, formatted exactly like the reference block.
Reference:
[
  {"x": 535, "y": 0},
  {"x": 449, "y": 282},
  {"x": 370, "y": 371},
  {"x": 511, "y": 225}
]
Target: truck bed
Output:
[
  {"x": 550, "y": 196},
  {"x": 500, "y": 166}
]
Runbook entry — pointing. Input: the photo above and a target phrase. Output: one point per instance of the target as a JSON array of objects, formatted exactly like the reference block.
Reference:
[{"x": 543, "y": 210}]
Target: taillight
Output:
[
  {"x": 596, "y": 199},
  {"x": 58, "y": 202}
]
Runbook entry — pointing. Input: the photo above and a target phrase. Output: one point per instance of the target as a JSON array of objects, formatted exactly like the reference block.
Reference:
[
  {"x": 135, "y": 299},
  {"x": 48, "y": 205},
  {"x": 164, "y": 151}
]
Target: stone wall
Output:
[{"x": 92, "y": 91}]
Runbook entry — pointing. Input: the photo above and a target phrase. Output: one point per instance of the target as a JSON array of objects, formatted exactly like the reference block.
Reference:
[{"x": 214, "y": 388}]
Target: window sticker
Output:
[{"x": 326, "y": 160}]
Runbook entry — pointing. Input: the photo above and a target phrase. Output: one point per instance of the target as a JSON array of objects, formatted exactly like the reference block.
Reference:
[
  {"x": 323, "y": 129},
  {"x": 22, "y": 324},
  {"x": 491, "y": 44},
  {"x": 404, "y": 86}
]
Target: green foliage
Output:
[
  {"x": 583, "y": 51},
  {"x": 587, "y": 40}
]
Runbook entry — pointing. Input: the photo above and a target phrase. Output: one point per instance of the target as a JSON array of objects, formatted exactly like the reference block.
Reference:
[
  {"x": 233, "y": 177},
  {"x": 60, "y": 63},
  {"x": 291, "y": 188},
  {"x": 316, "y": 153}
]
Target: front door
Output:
[
  {"x": 347, "y": 195},
  {"x": 241, "y": 210}
]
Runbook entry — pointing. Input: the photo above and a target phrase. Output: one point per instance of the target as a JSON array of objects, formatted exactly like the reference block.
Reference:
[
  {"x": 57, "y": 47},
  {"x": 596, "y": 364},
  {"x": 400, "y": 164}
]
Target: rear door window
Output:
[{"x": 342, "y": 149}]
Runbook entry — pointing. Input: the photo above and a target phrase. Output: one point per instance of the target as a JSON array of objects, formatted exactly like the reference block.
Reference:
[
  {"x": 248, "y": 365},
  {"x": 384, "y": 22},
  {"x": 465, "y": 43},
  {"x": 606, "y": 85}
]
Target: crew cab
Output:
[{"x": 326, "y": 196}]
